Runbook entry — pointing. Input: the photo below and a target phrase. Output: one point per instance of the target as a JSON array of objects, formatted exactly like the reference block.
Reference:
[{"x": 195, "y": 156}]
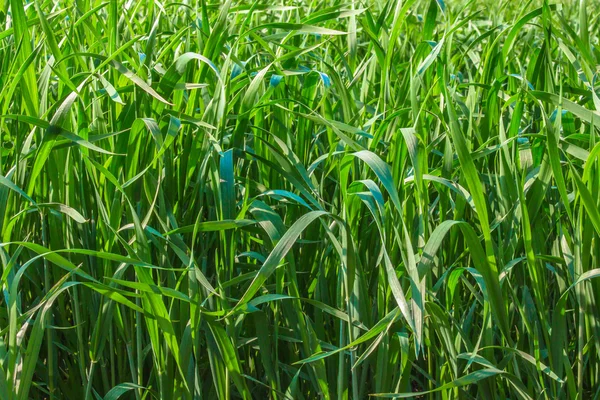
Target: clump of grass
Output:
[{"x": 308, "y": 199}]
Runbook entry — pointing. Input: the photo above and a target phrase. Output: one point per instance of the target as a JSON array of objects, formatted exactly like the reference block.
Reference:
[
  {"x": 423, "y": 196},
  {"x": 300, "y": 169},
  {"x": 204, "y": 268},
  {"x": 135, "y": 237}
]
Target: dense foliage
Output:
[{"x": 299, "y": 199}]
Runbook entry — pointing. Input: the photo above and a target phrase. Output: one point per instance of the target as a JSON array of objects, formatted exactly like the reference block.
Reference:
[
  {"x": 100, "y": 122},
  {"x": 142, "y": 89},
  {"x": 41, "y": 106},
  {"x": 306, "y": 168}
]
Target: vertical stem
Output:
[
  {"x": 138, "y": 344},
  {"x": 49, "y": 332}
]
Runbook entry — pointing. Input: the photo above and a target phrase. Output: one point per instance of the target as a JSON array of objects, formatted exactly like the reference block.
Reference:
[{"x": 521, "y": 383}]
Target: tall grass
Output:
[{"x": 299, "y": 199}]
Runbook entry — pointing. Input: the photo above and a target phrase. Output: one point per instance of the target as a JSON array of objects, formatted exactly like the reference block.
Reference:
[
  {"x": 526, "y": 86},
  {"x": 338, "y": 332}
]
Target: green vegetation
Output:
[{"x": 299, "y": 199}]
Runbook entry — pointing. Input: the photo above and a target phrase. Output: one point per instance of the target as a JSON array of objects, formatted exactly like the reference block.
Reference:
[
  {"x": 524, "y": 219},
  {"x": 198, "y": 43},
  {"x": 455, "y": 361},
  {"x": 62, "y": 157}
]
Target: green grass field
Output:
[{"x": 299, "y": 199}]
